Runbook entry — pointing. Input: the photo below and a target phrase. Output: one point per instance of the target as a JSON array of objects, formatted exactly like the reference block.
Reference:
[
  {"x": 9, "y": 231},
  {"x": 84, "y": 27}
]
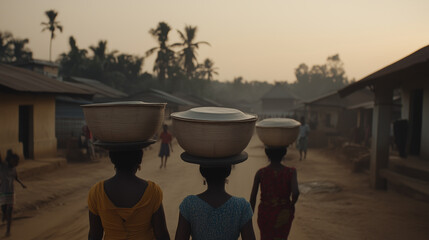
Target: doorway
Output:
[
  {"x": 25, "y": 134},
  {"x": 416, "y": 110}
]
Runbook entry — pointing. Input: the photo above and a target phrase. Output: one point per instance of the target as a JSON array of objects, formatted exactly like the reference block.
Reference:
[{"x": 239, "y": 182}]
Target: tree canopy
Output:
[
  {"x": 320, "y": 79},
  {"x": 14, "y": 49}
]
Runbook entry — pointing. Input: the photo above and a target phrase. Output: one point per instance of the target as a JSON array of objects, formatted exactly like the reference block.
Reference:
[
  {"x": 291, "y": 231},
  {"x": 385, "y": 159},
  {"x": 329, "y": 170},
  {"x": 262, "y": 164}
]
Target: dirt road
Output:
[{"x": 342, "y": 206}]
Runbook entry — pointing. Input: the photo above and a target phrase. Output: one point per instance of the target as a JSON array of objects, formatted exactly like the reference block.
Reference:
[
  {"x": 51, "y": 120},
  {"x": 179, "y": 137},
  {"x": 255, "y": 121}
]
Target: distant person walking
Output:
[
  {"x": 164, "y": 151},
  {"x": 304, "y": 130},
  {"x": 88, "y": 142},
  {"x": 8, "y": 175},
  {"x": 279, "y": 193}
]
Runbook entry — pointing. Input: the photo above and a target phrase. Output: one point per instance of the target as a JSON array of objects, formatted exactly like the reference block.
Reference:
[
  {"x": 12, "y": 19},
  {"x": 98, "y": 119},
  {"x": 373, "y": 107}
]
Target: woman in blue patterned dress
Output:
[{"x": 215, "y": 214}]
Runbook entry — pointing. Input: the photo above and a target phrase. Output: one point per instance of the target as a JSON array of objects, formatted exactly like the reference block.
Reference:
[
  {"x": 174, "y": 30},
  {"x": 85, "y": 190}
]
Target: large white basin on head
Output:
[
  {"x": 132, "y": 121},
  {"x": 277, "y": 132},
  {"x": 213, "y": 132}
]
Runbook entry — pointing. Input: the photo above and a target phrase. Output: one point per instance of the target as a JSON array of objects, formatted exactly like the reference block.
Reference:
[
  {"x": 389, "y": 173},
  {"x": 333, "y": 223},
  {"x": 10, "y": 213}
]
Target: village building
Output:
[
  {"x": 410, "y": 76},
  {"x": 44, "y": 67},
  {"x": 279, "y": 101},
  {"x": 27, "y": 107},
  {"x": 331, "y": 118},
  {"x": 69, "y": 116}
]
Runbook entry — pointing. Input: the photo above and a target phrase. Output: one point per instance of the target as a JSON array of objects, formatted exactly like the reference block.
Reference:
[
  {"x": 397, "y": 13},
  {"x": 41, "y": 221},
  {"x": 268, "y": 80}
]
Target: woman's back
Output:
[
  {"x": 276, "y": 185},
  {"x": 125, "y": 218},
  {"x": 208, "y": 222},
  {"x": 125, "y": 193}
]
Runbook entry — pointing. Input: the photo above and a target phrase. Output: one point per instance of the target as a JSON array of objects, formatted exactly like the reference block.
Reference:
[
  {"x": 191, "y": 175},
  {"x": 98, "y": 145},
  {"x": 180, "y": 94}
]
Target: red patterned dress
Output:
[{"x": 275, "y": 213}]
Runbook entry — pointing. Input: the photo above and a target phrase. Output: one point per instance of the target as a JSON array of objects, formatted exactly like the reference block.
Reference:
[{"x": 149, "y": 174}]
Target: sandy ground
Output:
[{"x": 54, "y": 205}]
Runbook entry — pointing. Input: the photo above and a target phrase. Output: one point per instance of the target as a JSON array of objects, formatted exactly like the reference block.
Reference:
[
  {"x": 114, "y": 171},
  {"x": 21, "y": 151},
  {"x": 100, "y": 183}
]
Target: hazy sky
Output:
[{"x": 258, "y": 40}]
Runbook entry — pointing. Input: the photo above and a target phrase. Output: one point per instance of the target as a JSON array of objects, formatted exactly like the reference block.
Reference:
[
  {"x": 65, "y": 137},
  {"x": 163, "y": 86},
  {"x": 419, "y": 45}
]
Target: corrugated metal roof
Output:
[
  {"x": 37, "y": 62},
  {"x": 201, "y": 101},
  {"x": 101, "y": 90},
  {"x": 420, "y": 56},
  {"x": 155, "y": 95},
  {"x": 23, "y": 80},
  {"x": 333, "y": 99}
]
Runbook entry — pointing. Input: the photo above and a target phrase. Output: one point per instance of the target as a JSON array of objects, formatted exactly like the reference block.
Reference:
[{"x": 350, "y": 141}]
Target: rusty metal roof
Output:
[
  {"x": 23, "y": 80},
  {"x": 417, "y": 60},
  {"x": 101, "y": 90}
]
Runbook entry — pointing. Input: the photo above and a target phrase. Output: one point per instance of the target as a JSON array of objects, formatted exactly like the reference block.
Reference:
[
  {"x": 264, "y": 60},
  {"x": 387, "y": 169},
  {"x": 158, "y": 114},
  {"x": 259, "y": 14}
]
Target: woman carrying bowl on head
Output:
[
  {"x": 279, "y": 193},
  {"x": 126, "y": 206},
  {"x": 209, "y": 137},
  {"x": 215, "y": 214}
]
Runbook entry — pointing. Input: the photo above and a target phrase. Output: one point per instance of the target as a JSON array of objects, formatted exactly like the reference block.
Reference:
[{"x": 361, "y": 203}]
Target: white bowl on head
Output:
[
  {"x": 213, "y": 132},
  {"x": 278, "y": 132},
  {"x": 132, "y": 121}
]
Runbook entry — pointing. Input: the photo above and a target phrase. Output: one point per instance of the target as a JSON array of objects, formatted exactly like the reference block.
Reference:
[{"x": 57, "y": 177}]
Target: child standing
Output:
[
  {"x": 7, "y": 195},
  {"x": 164, "y": 151}
]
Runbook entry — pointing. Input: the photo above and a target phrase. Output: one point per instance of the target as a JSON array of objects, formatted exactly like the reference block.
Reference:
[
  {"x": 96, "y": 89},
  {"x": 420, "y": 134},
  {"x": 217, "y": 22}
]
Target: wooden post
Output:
[{"x": 381, "y": 121}]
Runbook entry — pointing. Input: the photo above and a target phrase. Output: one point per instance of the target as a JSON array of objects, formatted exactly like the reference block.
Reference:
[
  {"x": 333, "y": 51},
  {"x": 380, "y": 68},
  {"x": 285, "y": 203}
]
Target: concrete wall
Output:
[
  {"x": 45, "y": 143},
  {"x": 424, "y": 147}
]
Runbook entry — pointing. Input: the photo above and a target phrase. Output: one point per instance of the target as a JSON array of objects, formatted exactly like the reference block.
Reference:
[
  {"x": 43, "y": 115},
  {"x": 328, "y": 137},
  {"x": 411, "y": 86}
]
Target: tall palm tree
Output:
[
  {"x": 188, "y": 52},
  {"x": 52, "y": 25},
  {"x": 165, "y": 55}
]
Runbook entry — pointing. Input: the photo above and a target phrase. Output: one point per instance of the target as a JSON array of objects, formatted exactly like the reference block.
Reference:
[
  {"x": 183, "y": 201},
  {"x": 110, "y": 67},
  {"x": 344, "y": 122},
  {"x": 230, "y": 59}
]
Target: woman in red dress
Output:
[{"x": 279, "y": 193}]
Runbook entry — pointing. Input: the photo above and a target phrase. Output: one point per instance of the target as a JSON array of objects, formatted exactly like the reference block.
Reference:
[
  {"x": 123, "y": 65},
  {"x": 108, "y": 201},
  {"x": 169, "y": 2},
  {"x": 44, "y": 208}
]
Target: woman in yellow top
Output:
[{"x": 126, "y": 206}]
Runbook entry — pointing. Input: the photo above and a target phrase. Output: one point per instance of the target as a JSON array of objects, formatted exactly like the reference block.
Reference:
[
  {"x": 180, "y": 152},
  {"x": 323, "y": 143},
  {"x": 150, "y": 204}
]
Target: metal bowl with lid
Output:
[
  {"x": 277, "y": 132},
  {"x": 129, "y": 121},
  {"x": 213, "y": 132}
]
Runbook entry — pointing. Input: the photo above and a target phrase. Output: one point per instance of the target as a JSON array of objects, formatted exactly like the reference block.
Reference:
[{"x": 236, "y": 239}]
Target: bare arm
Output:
[
  {"x": 159, "y": 225},
  {"x": 247, "y": 232},
  {"x": 183, "y": 231},
  {"x": 95, "y": 227},
  {"x": 254, "y": 193},
  {"x": 19, "y": 181},
  {"x": 171, "y": 143},
  {"x": 294, "y": 188}
]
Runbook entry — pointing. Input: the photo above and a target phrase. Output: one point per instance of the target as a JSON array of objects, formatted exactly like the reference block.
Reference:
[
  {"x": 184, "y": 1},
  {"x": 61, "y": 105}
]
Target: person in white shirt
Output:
[{"x": 304, "y": 130}]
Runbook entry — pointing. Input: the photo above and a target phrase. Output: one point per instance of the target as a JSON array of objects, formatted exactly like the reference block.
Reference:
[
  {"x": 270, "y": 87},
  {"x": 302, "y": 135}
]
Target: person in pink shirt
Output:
[{"x": 164, "y": 151}]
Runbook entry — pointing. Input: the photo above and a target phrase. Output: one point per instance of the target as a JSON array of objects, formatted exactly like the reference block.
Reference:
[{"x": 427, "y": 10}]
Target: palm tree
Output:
[
  {"x": 165, "y": 54},
  {"x": 208, "y": 69},
  {"x": 72, "y": 63},
  {"x": 188, "y": 53},
  {"x": 100, "y": 50},
  {"x": 101, "y": 56},
  {"x": 6, "y": 51},
  {"x": 20, "y": 52},
  {"x": 52, "y": 25}
]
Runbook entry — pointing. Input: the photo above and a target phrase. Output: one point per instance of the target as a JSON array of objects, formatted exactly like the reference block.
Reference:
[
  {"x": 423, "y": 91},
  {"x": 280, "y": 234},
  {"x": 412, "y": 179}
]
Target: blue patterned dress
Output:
[{"x": 221, "y": 223}]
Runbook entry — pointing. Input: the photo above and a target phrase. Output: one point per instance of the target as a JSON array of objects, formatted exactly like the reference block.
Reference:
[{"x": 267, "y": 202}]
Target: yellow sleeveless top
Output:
[{"x": 125, "y": 223}]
